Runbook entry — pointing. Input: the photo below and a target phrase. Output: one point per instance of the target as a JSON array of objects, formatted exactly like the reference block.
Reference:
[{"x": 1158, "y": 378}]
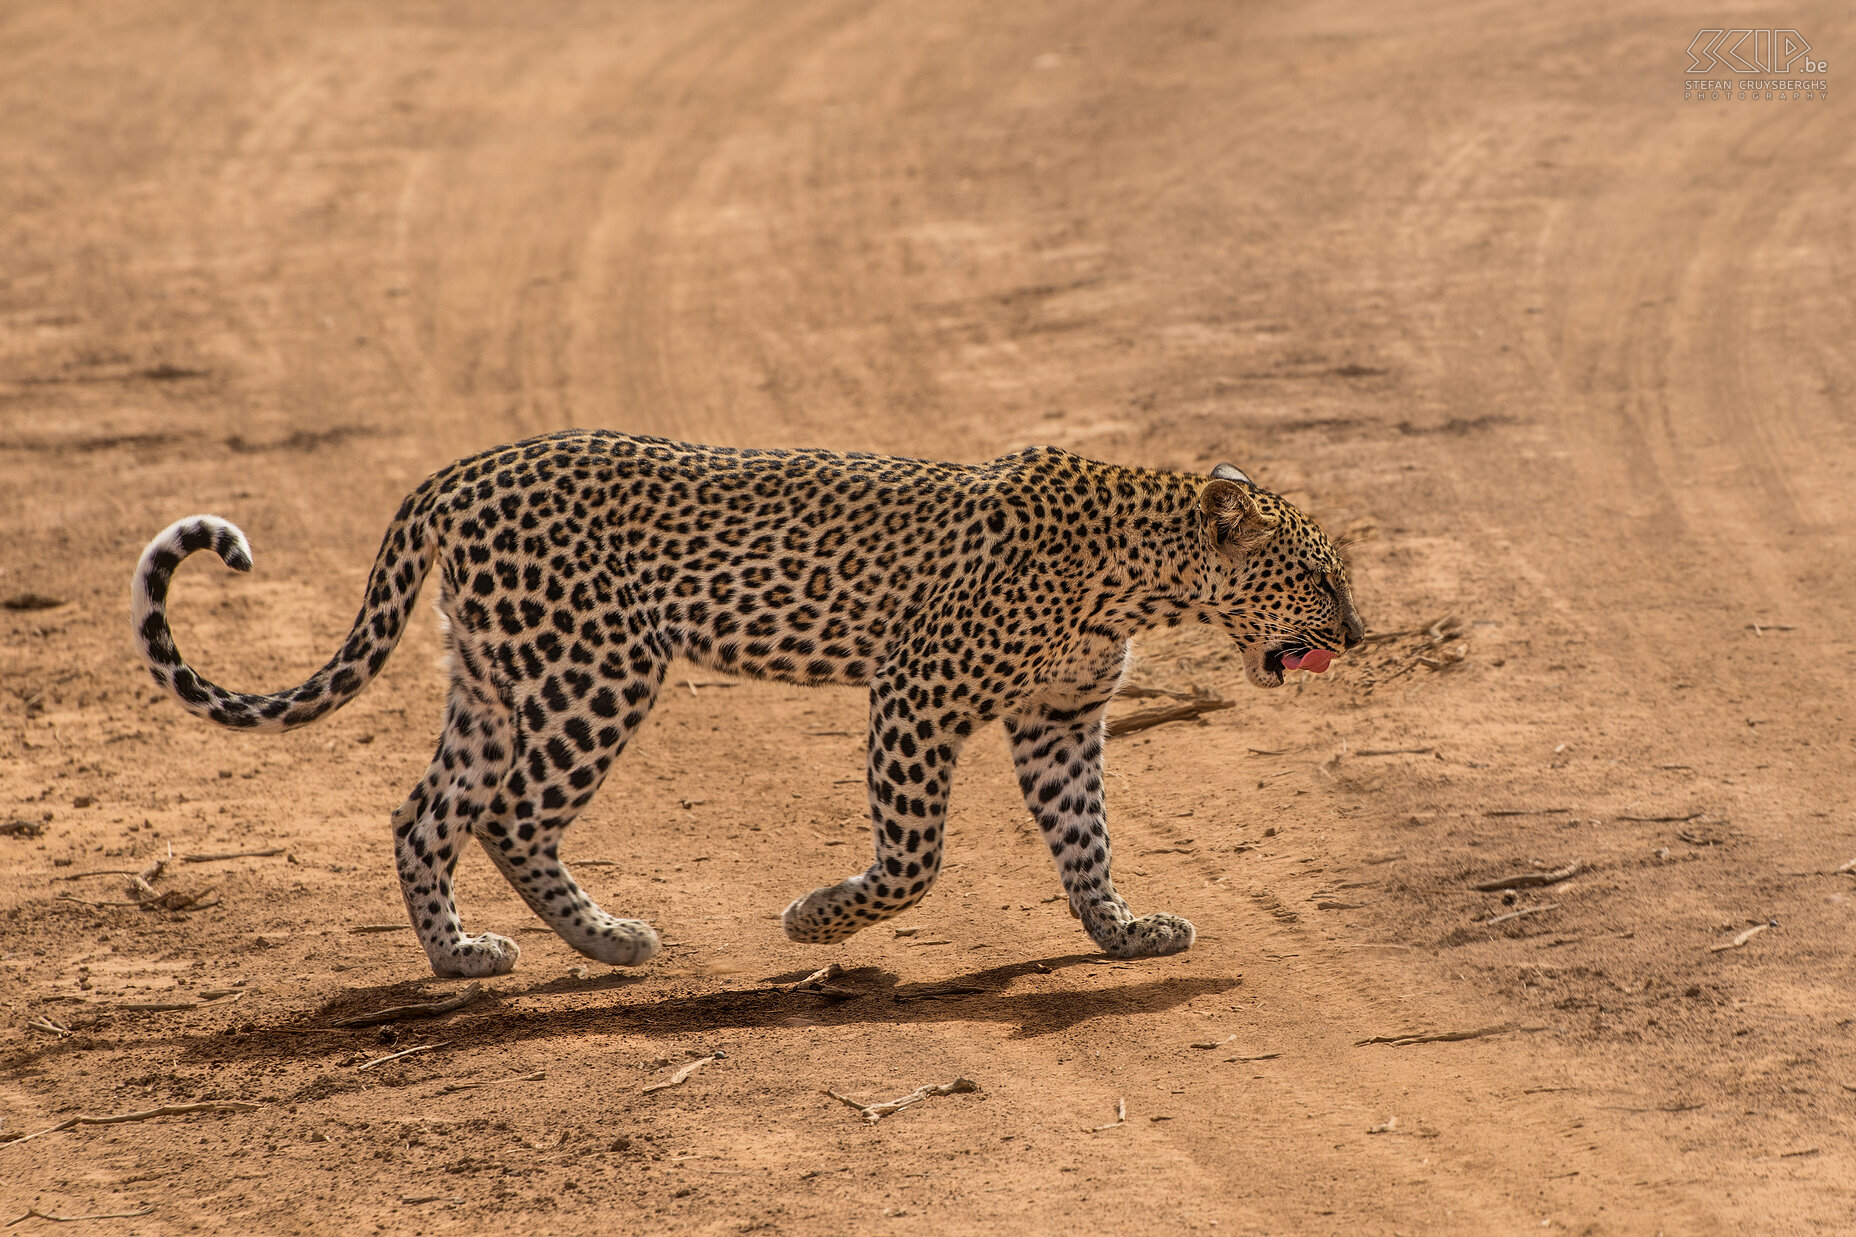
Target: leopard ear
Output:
[
  {"x": 1233, "y": 515},
  {"x": 1226, "y": 472}
]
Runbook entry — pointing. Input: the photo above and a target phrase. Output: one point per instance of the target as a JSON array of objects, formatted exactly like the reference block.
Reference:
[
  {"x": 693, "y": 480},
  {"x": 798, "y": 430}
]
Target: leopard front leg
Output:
[
  {"x": 911, "y": 770},
  {"x": 1057, "y": 751}
]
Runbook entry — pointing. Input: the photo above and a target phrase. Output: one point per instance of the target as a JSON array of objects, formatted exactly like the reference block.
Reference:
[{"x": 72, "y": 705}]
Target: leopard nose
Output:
[{"x": 1355, "y": 633}]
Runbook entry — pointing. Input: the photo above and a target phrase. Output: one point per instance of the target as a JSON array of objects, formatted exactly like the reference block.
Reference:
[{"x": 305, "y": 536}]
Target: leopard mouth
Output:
[{"x": 1297, "y": 656}]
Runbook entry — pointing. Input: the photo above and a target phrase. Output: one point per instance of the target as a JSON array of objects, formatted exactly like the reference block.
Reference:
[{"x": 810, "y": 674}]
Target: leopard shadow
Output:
[{"x": 883, "y": 999}]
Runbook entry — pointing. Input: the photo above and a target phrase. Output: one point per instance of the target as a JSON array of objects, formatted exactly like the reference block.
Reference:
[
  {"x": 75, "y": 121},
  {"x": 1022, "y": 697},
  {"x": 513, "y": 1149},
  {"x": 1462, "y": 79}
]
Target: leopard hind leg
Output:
[
  {"x": 430, "y": 827},
  {"x": 564, "y": 744}
]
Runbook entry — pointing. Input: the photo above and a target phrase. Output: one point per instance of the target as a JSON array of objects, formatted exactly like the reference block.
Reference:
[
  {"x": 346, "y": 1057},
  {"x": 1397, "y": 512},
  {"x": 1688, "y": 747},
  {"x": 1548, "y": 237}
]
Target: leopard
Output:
[{"x": 573, "y": 567}]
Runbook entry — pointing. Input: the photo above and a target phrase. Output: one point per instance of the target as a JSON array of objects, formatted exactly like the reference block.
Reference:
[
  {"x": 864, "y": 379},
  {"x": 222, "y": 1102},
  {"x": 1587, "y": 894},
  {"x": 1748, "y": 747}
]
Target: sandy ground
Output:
[{"x": 1570, "y": 354}]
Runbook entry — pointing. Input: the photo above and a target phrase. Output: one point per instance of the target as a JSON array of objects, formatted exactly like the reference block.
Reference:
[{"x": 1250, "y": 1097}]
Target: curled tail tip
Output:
[
  {"x": 206, "y": 532},
  {"x": 236, "y": 556},
  {"x": 231, "y": 546}
]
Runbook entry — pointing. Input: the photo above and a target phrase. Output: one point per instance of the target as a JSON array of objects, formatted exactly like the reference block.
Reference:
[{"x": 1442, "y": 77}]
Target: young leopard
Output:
[{"x": 573, "y": 567}]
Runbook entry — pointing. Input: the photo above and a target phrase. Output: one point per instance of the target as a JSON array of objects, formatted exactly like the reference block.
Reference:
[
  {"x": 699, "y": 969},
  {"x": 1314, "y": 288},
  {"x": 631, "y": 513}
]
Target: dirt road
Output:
[{"x": 1569, "y": 354}]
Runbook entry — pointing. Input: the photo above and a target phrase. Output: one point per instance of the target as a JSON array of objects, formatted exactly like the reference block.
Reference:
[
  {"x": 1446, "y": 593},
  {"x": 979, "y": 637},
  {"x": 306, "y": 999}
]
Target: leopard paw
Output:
[
  {"x": 1150, "y": 936},
  {"x": 620, "y": 942},
  {"x": 474, "y": 957},
  {"x": 820, "y": 918}
]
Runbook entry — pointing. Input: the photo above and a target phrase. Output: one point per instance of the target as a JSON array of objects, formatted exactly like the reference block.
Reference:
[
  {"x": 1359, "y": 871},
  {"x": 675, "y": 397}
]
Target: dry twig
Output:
[
  {"x": 1522, "y": 913},
  {"x": 425, "y": 1009},
  {"x": 166, "y": 1110},
  {"x": 36, "y": 1214},
  {"x": 215, "y": 996},
  {"x": 1435, "y": 629},
  {"x": 1445, "y": 1037},
  {"x": 939, "y": 991},
  {"x": 1139, "y": 691},
  {"x": 404, "y": 1052},
  {"x": 1182, "y": 712},
  {"x": 874, "y": 1113},
  {"x": 817, "y": 984},
  {"x": 682, "y": 1076},
  {"x": 452, "y": 1088},
  {"x": 172, "y": 900},
  {"x": 1443, "y": 643},
  {"x": 138, "y": 877},
  {"x": 1527, "y": 880},
  {"x": 42, "y": 1023},
  {"x": 1121, "y": 1117},
  {"x": 233, "y": 854},
  {"x": 182, "y": 899},
  {"x": 1743, "y": 938}
]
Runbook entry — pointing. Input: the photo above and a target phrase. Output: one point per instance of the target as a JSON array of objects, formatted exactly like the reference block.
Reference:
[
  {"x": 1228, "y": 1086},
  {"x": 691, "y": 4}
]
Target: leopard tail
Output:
[{"x": 406, "y": 555}]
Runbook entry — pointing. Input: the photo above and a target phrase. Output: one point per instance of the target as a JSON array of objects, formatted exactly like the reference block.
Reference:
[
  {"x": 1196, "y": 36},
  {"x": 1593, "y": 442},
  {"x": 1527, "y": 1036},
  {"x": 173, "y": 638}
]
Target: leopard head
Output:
[{"x": 1275, "y": 581}]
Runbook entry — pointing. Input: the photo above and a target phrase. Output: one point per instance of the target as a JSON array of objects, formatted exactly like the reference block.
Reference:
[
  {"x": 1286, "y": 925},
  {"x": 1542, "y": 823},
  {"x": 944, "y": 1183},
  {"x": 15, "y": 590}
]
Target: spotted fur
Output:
[{"x": 573, "y": 567}]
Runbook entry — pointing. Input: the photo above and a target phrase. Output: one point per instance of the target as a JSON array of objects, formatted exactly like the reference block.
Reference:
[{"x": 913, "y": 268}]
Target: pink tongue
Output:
[{"x": 1315, "y": 660}]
